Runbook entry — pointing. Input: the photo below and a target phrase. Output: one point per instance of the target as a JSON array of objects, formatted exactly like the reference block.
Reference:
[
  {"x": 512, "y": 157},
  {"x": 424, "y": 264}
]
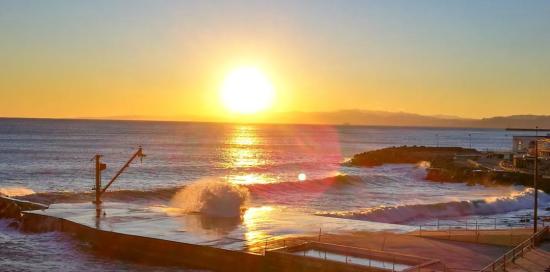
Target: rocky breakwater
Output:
[
  {"x": 11, "y": 208},
  {"x": 447, "y": 164}
]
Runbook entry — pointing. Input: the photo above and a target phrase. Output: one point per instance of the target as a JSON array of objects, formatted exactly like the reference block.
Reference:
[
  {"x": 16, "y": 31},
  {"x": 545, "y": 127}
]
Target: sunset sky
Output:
[{"x": 73, "y": 59}]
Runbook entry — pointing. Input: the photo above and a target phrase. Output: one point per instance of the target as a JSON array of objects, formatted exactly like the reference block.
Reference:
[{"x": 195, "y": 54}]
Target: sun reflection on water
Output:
[
  {"x": 249, "y": 179},
  {"x": 244, "y": 157},
  {"x": 253, "y": 218}
]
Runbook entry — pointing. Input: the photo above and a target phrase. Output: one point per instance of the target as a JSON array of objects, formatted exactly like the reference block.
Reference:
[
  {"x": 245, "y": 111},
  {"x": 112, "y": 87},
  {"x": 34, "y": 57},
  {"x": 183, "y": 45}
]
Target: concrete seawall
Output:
[
  {"x": 153, "y": 250},
  {"x": 135, "y": 234},
  {"x": 149, "y": 249}
]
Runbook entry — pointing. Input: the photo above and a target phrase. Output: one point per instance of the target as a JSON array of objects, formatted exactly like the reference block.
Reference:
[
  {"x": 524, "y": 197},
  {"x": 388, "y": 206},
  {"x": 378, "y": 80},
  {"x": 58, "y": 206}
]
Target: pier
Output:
[{"x": 137, "y": 233}]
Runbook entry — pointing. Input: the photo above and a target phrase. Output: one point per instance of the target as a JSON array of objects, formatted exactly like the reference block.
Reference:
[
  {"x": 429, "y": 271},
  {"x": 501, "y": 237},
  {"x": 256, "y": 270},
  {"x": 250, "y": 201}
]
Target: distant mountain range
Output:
[
  {"x": 381, "y": 118},
  {"x": 377, "y": 118}
]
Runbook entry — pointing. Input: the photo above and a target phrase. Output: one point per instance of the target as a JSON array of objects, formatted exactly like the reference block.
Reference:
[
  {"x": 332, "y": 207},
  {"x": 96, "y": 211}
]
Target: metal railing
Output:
[
  {"x": 274, "y": 243},
  {"x": 485, "y": 223},
  {"x": 361, "y": 257},
  {"x": 516, "y": 252},
  {"x": 508, "y": 231}
]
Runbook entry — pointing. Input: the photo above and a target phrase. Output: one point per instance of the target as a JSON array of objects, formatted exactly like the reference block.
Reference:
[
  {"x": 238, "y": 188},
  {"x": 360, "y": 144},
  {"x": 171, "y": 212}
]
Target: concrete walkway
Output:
[
  {"x": 454, "y": 254},
  {"x": 534, "y": 260}
]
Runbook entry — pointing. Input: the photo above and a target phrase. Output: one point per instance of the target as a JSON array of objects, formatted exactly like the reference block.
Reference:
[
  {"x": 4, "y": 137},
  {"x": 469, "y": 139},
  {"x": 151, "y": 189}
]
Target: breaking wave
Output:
[
  {"x": 15, "y": 191},
  {"x": 407, "y": 213},
  {"x": 161, "y": 194},
  {"x": 166, "y": 194},
  {"x": 335, "y": 182},
  {"x": 211, "y": 197}
]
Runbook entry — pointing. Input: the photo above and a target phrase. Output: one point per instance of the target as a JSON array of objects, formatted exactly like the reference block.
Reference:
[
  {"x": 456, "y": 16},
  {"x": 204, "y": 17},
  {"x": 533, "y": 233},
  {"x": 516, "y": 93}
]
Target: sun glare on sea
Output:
[{"x": 247, "y": 90}]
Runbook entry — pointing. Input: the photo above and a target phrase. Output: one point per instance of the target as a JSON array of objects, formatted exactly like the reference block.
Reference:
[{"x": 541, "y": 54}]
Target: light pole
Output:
[
  {"x": 470, "y": 139},
  {"x": 535, "y": 178}
]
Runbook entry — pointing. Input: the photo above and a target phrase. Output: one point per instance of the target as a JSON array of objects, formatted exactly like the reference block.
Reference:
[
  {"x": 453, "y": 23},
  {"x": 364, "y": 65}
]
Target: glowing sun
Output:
[{"x": 247, "y": 90}]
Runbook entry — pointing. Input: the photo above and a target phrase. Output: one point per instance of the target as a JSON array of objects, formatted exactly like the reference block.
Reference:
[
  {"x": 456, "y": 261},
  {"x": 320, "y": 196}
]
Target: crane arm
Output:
[{"x": 139, "y": 153}]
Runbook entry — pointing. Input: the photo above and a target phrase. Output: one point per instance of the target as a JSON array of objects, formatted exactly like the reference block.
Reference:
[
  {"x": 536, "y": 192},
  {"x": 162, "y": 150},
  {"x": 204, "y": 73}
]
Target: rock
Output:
[
  {"x": 12, "y": 208},
  {"x": 14, "y": 225},
  {"x": 9, "y": 210},
  {"x": 410, "y": 154},
  {"x": 448, "y": 164}
]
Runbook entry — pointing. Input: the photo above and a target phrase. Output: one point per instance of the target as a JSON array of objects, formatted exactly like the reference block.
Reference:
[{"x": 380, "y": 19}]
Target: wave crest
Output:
[
  {"x": 160, "y": 194},
  {"x": 211, "y": 197},
  {"x": 15, "y": 191},
  {"x": 407, "y": 213}
]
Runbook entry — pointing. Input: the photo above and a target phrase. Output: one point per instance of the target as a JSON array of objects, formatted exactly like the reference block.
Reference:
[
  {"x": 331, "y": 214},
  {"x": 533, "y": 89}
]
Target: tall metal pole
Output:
[
  {"x": 97, "y": 185},
  {"x": 535, "y": 178},
  {"x": 470, "y": 139}
]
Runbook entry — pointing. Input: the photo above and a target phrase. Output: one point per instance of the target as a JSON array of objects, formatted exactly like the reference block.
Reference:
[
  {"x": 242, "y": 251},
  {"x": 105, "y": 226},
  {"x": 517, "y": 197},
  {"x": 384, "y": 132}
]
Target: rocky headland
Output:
[{"x": 449, "y": 164}]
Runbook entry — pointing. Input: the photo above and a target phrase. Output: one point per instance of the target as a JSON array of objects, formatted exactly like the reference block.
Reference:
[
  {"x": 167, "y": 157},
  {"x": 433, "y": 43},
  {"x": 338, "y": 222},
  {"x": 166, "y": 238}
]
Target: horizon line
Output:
[{"x": 114, "y": 119}]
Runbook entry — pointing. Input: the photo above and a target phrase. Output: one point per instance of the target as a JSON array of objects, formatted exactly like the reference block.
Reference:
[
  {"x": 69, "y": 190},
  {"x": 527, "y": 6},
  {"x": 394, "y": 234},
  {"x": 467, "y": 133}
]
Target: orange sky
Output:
[{"x": 101, "y": 59}]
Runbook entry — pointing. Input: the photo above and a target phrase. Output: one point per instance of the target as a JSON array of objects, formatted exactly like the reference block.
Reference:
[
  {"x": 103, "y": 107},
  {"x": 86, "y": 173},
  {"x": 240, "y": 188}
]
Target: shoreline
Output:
[
  {"x": 450, "y": 164},
  {"x": 453, "y": 248},
  {"x": 206, "y": 122}
]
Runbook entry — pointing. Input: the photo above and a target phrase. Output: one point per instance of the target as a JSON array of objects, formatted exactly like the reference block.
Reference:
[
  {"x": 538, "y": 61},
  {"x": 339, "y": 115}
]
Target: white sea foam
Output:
[
  {"x": 15, "y": 191},
  {"x": 423, "y": 164},
  {"x": 211, "y": 197},
  {"x": 404, "y": 213}
]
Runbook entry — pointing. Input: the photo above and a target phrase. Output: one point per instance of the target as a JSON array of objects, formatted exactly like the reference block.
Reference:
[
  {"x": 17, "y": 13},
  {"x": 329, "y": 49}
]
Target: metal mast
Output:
[
  {"x": 535, "y": 179},
  {"x": 102, "y": 166}
]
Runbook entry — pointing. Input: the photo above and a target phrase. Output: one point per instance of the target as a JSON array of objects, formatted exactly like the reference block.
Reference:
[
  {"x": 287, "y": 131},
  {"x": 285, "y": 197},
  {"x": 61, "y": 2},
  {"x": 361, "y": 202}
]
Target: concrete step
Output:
[
  {"x": 533, "y": 261},
  {"x": 545, "y": 245}
]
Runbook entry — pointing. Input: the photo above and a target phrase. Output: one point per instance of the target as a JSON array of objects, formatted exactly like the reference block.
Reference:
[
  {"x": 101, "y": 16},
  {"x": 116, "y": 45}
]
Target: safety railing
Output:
[
  {"x": 518, "y": 251},
  {"x": 275, "y": 243},
  {"x": 484, "y": 223},
  {"x": 508, "y": 231},
  {"x": 359, "y": 257}
]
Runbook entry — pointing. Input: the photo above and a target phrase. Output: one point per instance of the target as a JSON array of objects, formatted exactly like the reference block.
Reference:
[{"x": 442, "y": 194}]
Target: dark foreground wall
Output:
[
  {"x": 146, "y": 249},
  {"x": 164, "y": 252}
]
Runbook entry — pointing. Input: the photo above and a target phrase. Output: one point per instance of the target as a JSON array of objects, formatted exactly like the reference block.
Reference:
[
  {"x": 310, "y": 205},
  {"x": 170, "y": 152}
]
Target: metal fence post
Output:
[
  {"x": 477, "y": 232},
  {"x": 511, "y": 236}
]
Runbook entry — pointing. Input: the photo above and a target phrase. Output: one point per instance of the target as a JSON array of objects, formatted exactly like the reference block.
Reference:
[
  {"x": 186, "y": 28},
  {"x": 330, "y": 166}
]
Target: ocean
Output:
[{"x": 294, "y": 168}]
